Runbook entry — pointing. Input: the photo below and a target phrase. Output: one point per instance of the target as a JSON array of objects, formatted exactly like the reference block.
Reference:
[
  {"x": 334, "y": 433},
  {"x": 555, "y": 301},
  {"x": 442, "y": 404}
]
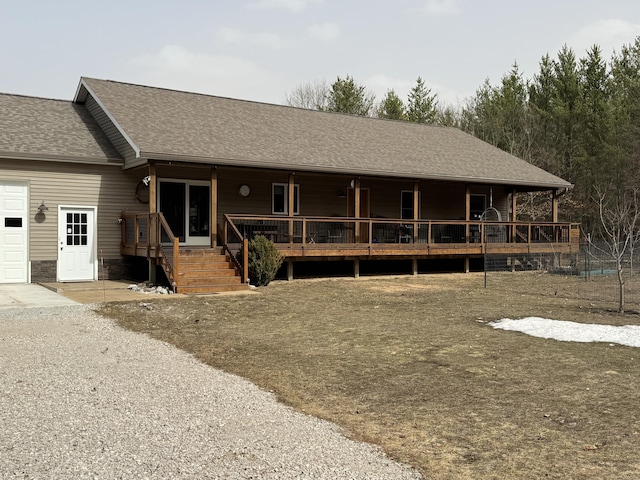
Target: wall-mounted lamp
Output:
[
  {"x": 42, "y": 207},
  {"x": 146, "y": 180}
]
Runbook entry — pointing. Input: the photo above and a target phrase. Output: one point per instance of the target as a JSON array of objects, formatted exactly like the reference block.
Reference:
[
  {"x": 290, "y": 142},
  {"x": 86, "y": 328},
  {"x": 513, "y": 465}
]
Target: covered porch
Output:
[{"x": 196, "y": 207}]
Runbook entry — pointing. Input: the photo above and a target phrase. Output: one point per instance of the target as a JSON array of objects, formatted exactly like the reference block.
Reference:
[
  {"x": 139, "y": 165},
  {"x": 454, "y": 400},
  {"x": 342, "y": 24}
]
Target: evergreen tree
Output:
[
  {"x": 544, "y": 129},
  {"x": 591, "y": 156},
  {"x": 421, "y": 104},
  {"x": 346, "y": 96},
  {"x": 566, "y": 108},
  {"x": 391, "y": 107}
]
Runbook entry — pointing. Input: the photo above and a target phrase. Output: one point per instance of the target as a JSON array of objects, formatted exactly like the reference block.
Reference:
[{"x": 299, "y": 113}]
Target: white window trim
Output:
[{"x": 296, "y": 193}]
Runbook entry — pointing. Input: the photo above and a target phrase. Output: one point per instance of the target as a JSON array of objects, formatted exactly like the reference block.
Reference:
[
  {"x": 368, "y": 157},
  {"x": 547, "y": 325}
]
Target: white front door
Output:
[
  {"x": 14, "y": 236},
  {"x": 76, "y": 244}
]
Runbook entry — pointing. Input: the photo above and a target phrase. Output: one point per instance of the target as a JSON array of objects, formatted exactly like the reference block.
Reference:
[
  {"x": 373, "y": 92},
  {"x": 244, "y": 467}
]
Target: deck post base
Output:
[
  {"x": 356, "y": 268},
  {"x": 289, "y": 270},
  {"x": 152, "y": 271},
  {"x": 414, "y": 266}
]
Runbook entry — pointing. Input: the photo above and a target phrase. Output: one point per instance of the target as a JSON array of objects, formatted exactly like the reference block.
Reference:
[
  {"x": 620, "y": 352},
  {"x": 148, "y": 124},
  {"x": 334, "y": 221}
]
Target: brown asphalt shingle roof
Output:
[
  {"x": 40, "y": 128},
  {"x": 169, "y": 124}
]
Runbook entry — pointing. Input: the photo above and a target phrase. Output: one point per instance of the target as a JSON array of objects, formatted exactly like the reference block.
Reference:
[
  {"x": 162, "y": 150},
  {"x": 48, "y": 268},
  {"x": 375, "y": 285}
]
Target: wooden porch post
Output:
[
  {"x": 416, "y": 214},
  {"x": 554, "y": 206},
  {"x": 214, "y": 206},
  {"x": 153, "y": 201},
  {"x": 467, "y": 206},
  {"x": 289, "y": 270},
  {"x": 292, "y": 193},
  {"x": 356, "y": 214},
  {"x": 153, "y": 208},
  {"x": 467, "y": 218},
  {"x": 514, "y": 215}
]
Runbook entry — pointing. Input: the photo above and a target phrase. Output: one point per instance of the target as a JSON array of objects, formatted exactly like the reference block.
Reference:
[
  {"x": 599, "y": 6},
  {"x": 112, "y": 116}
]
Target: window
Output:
[
  {"x": 280, "y": 198},
  {"x": 406, "y": 204},
  {"x": 477, "y": 205},
  {"x": 77, "y": 229}
]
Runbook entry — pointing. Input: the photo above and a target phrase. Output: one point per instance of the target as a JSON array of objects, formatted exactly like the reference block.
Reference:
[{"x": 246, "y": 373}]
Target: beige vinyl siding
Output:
[
  {"x": 319, "y": 194},
  {"x": 110, "y": 130},
  {"x": 108, "y": 188}
]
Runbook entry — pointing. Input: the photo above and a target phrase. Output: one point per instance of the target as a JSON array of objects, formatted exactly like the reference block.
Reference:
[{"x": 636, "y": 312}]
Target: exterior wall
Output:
[
  {"x": 322, "y": 195},
  {"x": 107, "y": 187}
]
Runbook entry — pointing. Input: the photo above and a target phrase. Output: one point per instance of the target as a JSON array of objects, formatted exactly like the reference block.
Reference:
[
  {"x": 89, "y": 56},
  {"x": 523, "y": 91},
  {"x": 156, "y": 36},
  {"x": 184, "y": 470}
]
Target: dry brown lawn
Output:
[{"x": 410, "y": 364}]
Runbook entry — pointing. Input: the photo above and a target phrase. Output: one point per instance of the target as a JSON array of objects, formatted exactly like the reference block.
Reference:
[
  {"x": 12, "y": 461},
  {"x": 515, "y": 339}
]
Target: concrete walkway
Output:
[{"x": 30, "y": 295}]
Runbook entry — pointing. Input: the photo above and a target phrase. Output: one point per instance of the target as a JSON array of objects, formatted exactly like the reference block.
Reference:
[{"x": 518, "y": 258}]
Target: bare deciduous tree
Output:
[
  {"x": 620, "y": 222},
  {"x": 311, "y": 95}
]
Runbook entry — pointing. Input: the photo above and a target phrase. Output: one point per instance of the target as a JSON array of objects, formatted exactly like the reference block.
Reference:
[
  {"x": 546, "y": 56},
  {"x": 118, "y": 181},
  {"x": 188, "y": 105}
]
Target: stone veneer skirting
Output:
[{"x": 125, "y": 268}]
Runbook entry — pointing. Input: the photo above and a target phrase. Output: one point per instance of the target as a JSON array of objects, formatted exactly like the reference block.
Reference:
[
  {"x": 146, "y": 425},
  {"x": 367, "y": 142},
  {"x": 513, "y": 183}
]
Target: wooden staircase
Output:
[{"x": 206, "y": 270}]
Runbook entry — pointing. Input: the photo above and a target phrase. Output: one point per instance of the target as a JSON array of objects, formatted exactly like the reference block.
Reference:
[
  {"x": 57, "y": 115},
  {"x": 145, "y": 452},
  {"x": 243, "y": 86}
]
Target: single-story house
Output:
[{"x": 127, "y": 179}]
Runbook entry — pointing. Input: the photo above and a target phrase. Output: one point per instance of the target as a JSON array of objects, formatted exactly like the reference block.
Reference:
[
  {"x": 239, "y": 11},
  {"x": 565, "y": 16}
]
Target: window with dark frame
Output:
[
  {"x": 477, "y": 206},
  {"x": 280, "y": 199},
  {"x": 406, "y": 204}
]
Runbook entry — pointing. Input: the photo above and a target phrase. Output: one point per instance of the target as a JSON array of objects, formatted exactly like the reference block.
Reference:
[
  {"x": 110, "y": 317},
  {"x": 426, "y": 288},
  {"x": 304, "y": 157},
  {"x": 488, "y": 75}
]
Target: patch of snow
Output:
[{"x": 564, "y": 331}]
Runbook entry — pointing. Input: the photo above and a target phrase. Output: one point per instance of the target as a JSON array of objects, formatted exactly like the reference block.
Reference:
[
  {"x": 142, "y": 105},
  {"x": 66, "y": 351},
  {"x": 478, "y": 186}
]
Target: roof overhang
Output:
[
  {"x": 83, "y": 91},
  {"x": 244, "y": 163}
]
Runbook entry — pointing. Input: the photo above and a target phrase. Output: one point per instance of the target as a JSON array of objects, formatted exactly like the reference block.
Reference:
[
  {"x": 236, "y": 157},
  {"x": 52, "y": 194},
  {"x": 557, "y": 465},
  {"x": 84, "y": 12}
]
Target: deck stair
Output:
[{"x": 206, "y": 270}]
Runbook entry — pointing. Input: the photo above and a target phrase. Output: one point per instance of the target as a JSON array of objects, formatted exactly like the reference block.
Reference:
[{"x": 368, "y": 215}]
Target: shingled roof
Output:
[
  {"x": 165, "y": 124},
  {"x": 46, "y": 129}
]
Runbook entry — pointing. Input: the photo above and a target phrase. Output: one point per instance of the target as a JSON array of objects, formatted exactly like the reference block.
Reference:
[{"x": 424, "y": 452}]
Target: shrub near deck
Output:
[{"x": 410, "y": 364}]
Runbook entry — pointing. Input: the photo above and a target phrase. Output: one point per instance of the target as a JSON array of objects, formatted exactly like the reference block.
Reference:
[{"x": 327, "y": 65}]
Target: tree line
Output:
[{"x": 578, "y": 118}]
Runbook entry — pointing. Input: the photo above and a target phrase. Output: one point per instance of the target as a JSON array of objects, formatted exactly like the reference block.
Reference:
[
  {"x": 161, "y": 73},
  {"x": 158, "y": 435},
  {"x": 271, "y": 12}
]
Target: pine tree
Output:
[
  {"x": 391, "y": 107},
  {"x": 346, "y": 96},
  {"x": 421, "y": 104}
]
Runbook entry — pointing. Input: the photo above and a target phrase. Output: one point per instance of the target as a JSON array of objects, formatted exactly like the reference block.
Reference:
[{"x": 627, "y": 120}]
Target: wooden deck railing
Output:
[
  {"x": 149, "y": 235},
  {"x": 234, "y": 242},
  {"x": 377, "y": 231}
]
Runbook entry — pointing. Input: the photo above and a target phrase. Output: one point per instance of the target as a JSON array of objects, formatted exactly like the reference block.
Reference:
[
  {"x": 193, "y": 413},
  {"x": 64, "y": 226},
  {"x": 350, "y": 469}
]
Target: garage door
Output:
[{"x": 14, "y": 238}]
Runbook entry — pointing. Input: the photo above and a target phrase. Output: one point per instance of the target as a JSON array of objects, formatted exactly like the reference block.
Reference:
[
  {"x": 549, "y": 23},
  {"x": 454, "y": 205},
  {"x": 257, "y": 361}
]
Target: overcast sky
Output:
[{"x": 262, "y": 49}]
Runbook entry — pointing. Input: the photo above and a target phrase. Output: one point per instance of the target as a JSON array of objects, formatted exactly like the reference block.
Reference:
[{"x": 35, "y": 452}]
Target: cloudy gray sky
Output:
[{"x": 261, "y": 49}]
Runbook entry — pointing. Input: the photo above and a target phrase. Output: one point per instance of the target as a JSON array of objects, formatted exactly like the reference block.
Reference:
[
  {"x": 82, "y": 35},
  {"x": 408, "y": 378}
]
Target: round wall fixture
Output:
[
  {"x": 244, "y": 190},
  {"x": 142, "y": 192}
]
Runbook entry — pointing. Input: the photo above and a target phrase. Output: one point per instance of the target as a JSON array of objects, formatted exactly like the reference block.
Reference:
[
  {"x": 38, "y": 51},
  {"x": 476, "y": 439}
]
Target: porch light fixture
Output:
[
  {"x": 42, "y": 207},
  {"x": 146, "y": 180}
]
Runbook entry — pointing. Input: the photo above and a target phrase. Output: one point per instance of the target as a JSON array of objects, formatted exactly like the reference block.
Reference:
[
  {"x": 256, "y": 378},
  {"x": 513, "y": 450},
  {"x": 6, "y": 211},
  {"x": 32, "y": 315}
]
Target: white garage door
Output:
[{"x": 14, "y": 237}]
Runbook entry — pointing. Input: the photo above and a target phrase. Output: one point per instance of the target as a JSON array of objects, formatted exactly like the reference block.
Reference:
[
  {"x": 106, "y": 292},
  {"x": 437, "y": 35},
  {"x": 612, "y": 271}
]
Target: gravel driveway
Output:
[{"x": 83, "y": 398}]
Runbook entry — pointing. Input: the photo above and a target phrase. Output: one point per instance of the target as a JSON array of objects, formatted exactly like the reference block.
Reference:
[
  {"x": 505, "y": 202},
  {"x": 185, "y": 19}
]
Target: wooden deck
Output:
[
  {"x": 342, "y": 238},
  {"x": 330, "y": 237}
]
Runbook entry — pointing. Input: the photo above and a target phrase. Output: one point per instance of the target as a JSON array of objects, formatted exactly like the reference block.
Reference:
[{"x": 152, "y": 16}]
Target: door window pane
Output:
[
  {"x": 199, "y": 206},
  {"x": 172, "y": 206},
  {"x": 77, "y": 229}
]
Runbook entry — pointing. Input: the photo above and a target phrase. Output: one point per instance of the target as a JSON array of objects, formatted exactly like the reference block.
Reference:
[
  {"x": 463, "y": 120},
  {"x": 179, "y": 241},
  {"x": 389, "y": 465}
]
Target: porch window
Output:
[
  {"x": 406, "y": 204},
  {"x": 477, "y": 206},
  {"x": 280, "y": 198}
]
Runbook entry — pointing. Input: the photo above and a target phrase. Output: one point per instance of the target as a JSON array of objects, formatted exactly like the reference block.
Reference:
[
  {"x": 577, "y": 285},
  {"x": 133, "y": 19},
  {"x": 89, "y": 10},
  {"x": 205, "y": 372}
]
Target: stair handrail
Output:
[
  {"x": 242, "y": 267},
  {"x": 172, "y": 262}
]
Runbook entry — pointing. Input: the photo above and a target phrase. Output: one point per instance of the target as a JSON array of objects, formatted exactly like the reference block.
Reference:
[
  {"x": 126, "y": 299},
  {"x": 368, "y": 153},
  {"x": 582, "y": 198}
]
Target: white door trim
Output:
[{"x": 94, "y": 247}]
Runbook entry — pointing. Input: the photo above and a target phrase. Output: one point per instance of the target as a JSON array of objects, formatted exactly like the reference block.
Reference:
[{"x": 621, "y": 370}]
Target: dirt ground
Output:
[{"x": 409, "y": 363}]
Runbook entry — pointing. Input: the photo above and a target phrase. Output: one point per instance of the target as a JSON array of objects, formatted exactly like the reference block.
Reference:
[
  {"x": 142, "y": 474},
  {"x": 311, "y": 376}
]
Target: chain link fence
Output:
[{"x": 594, "y": 263}]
